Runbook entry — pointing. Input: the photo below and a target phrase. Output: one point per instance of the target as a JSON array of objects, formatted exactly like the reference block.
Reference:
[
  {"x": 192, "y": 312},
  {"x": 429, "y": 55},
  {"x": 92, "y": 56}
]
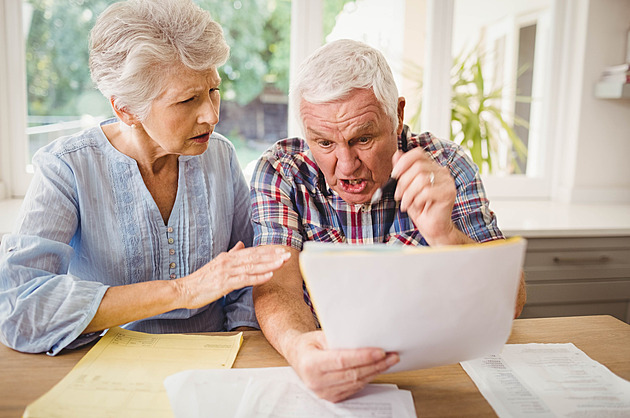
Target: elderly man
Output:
[{"x": 320, "y": 189}]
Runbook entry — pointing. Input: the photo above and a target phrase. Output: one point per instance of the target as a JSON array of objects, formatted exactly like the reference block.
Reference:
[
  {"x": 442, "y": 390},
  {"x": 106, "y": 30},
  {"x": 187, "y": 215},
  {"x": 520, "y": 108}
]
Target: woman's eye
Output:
[
  {"x": 188, "y": 100},
  {"x": 214, "y": 89}
]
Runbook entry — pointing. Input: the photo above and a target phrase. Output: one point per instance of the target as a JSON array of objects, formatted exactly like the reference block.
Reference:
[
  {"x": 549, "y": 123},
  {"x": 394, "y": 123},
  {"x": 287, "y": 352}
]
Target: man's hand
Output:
[
  {"x": 521, "y": 297},
  {"x": 335, "y": 375},
  {"x": 426, "y": 191}
]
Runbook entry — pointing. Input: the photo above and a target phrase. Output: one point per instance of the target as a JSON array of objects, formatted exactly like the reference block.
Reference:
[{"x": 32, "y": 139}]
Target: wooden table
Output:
[{"x": 437, "y": 392}]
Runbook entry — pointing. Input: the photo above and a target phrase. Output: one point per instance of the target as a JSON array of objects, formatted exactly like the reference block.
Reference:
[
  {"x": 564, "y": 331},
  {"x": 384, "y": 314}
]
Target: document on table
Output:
[
  {"x": 123, "y": 374},
  {"x": 549, "y": 380},
  {"x": 275, "y": 392},
  {"x": 434, "y": 306}
]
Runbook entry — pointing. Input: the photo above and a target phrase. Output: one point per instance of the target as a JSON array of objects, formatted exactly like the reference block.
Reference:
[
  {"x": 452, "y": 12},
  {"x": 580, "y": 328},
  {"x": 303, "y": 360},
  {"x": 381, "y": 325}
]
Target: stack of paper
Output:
[
  {"x": 275, "y": 392},
  {"x": 122, "y": 374},
  {"x": 549, "y": 380},
  {"x": 434, "y": 306}
]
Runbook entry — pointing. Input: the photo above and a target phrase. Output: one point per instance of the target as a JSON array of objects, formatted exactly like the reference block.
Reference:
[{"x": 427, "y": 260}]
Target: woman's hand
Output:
[{"x": 239, "y": 267}]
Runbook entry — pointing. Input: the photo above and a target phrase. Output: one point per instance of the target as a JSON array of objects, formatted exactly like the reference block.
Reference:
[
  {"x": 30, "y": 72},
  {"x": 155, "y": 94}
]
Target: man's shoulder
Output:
[
  {"x": 290, "y": 155},
  {"x": 288, "y": 147}
]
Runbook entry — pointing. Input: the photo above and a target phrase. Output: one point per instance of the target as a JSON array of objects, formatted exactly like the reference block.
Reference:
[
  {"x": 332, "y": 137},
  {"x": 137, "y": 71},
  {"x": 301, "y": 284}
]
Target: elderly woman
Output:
[{"x": 130, "y": 223}]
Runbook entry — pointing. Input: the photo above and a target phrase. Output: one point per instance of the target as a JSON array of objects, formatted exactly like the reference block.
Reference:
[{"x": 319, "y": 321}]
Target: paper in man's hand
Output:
[{"x": 434, "y": 306}]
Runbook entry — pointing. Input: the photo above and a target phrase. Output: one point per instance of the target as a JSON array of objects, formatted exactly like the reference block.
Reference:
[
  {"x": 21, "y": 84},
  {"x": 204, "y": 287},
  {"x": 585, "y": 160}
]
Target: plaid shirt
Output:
[{"x": 291, "y": 202}]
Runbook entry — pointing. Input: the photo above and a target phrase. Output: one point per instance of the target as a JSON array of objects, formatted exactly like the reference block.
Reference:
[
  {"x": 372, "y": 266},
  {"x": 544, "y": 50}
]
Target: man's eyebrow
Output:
[
  {"x": 315, "y": 133},
  {"x": 365, "y": 127},
  {"x": 359, "y": 131}
]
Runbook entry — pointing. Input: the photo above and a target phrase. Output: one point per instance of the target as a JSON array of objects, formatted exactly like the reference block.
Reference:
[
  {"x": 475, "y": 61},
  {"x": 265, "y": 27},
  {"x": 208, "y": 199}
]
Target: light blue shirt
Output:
[{"x": 89, "y": 222}]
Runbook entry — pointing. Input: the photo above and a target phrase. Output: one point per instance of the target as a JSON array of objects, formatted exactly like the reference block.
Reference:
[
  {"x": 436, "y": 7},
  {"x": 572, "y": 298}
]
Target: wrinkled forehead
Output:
[
  {"x": 360, "y": 109},
  {"x": 182, "y": 81}
]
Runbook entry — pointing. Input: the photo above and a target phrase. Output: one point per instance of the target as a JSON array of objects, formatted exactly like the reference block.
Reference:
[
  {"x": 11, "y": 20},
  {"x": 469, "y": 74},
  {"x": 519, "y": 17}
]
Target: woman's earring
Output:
[{"x": 133, "y": 125}]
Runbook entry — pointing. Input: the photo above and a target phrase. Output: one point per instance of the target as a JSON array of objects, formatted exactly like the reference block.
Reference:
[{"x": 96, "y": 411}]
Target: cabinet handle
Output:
[{"x": 575, "y": 261}]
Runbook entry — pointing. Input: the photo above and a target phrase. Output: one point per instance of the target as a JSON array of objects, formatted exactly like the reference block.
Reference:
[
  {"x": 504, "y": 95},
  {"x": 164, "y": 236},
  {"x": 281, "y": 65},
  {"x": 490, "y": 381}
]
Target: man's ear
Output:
[
  {"x": 401, "y": 115},
  {"x": 123, "y": 114}
]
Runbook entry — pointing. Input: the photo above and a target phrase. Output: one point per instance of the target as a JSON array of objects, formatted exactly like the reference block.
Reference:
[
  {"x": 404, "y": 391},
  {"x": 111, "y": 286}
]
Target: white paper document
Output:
[
  {"x": 549, "y": 380},
  {"x": 434, "y": 306},
  {"x": 274, "y": 392}
]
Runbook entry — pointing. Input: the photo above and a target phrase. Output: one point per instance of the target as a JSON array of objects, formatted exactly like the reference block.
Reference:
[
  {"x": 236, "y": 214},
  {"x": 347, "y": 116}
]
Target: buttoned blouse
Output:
[{"x": 89, "y": 222}]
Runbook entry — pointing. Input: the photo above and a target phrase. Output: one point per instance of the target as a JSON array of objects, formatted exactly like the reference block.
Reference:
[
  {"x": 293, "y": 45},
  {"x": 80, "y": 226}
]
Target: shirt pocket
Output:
[
  {"x": 408, "y": 237},
  {"x": 323, "y": 233}
]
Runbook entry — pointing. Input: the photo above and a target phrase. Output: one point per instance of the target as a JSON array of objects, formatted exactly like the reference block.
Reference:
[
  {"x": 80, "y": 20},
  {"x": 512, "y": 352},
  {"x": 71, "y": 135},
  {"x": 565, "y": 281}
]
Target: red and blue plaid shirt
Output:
[{"x": 291, "y": 202}]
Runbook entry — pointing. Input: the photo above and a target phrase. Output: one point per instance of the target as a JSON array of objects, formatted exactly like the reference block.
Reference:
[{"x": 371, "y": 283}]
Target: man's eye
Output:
[
  {"x": 364, "y": 140},
  {"x": 216, "y": 89},
  {"x": 188, "y": 100},
  {"x": 324, "y": 144}
]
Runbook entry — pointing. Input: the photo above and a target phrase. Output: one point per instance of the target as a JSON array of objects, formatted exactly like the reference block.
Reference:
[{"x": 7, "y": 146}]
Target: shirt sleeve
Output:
[
  {"x": 42, "y": 307},
  {"x": 471, "y": 211},
  {"x": 239, "y": 305},
  {"x": 275, "y": 220}
]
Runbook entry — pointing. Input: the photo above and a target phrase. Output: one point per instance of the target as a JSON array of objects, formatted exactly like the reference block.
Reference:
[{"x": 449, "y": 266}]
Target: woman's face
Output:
[{"x": 185, "y": 114}]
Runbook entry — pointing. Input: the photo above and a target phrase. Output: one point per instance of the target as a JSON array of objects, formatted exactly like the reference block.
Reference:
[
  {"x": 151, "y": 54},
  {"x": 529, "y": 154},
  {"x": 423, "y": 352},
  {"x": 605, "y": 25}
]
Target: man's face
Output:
[{"x": 353, "y": 142}]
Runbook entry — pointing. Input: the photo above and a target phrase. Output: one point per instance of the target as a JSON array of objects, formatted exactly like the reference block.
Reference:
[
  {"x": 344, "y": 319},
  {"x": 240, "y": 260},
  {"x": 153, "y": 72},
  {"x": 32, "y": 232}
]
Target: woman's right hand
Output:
[{"x": 235, "y": 269}]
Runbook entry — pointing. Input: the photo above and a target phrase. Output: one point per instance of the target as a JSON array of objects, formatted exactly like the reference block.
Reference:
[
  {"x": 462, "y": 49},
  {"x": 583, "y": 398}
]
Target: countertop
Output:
[
  {"x": 530, "y": 219},
  {"x": 538, "y": 219}
]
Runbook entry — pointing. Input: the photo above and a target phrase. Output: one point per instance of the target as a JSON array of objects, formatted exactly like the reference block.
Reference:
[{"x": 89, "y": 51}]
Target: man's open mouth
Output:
[{"x": 353, "y": 185}]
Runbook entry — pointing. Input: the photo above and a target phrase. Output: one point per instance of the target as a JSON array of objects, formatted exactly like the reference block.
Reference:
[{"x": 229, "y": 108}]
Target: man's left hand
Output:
[{"x": 426, "y": 191}]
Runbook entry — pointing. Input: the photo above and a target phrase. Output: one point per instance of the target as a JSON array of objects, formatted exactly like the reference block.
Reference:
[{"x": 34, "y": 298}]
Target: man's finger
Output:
[{"x": 335, "y": 360}]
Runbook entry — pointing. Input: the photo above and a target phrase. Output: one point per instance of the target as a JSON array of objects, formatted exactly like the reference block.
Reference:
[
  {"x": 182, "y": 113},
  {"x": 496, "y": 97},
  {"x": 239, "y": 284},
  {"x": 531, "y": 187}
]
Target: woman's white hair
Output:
[
  {"x": 136, "y": 43},
  {"x": 334, "y": 70}
]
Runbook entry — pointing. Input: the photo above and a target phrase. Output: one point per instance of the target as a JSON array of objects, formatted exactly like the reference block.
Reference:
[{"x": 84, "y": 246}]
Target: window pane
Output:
[
  {"x": 61, "y": 97},
  {"x": 396, "y": 31},
  {"x": 255, "y": 84},
  {"x": 497, "y": 77},
  {"x": 63, "y": 100}
]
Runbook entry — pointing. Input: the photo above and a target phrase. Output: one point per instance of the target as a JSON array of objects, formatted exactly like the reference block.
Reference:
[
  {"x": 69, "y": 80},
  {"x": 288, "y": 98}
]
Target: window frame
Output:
[
  {"x": 14, "y": 179},
  {"x": 538, "y": 185}
]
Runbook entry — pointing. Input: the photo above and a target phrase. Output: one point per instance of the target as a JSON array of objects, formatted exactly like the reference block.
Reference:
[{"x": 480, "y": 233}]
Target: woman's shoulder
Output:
[{"x": 86, "y": 139}]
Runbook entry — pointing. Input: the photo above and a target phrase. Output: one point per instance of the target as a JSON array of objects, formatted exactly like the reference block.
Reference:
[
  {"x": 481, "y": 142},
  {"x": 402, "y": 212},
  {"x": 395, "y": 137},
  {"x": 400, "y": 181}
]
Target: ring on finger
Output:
[{"x": 431, "y": 178}]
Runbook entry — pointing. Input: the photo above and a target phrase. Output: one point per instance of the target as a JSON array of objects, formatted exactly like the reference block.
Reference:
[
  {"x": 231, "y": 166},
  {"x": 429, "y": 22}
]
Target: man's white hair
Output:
[
  {"x": 135, "y": 44},
  {"x": 334, "y": 70}
]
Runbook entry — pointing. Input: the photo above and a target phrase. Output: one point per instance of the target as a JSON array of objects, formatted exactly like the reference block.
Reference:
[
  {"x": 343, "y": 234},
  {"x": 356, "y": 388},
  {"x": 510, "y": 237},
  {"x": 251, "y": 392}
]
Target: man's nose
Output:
[
  {"x": 347, "y": 161},
  {"x": 209, "y": 112}
]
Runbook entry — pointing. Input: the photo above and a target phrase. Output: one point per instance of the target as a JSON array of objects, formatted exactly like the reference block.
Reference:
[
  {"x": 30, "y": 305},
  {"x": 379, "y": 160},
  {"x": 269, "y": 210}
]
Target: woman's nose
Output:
[{"x": 209, "y": 112}]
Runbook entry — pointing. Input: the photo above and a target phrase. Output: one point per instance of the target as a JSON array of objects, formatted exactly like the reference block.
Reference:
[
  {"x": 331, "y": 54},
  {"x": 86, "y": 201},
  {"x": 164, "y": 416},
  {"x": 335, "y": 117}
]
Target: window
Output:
[
  {"x": 393, "y": 30},
  {"x": 508, "y": 38},
  {"x": 61, "y": 99},
  {"x": 504, "y": 46},
  {"x": 419, "y": 39}
]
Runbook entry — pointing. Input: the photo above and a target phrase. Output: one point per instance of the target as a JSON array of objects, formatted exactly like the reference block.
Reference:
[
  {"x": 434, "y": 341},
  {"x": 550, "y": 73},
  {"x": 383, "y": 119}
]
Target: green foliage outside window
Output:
[{"x": 58, "y": 77}]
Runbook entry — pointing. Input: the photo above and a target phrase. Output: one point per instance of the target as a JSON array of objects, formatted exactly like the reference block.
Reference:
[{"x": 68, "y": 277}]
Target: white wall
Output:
[{"x": 595, "y": 167}]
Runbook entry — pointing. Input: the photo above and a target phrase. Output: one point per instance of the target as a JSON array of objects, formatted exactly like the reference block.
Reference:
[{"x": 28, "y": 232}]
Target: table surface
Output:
[{"x": 437, "y": 392}]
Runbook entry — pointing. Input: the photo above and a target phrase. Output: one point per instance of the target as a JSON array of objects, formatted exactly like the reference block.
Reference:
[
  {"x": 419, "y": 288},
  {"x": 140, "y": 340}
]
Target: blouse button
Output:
[
  {"x": 172, "y": 265},
  {"x": 173, "y": 275},
  {"x": 169, "y": 229},
  {"x": 171, "y": 251},
  {"x": 171, "y": 240}
]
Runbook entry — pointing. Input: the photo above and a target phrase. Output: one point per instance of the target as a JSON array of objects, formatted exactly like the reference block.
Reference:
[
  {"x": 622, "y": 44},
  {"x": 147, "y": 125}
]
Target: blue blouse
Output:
[{"x": 89, "y": 222}]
